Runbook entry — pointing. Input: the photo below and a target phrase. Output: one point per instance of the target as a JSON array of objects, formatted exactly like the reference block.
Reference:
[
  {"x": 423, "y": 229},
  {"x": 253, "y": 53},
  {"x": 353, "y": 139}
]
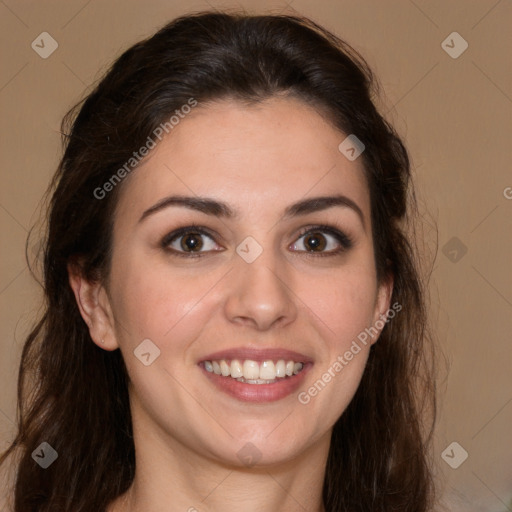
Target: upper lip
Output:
[{"x": 258, "y": 354}]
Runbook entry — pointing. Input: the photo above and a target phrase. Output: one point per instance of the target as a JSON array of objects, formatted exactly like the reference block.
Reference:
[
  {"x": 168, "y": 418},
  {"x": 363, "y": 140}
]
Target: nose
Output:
[{"x": 260, "y": 294}]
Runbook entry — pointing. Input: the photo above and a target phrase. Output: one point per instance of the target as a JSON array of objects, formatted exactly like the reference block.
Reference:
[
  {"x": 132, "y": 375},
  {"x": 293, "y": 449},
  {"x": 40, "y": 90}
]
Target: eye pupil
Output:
[
  {"x": 313, "y": 240},
  {"x": 191, "y": 241}
]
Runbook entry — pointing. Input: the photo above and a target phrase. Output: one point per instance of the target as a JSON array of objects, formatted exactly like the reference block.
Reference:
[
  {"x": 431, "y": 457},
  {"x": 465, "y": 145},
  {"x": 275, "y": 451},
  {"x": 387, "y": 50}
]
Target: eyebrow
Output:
[{"x": 217, "y": 208}]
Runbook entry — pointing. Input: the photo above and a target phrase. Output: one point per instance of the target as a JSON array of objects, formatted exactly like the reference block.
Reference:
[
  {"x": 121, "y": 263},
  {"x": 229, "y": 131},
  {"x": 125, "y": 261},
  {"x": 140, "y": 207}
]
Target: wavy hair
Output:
[{"x": 379, "y": 452}]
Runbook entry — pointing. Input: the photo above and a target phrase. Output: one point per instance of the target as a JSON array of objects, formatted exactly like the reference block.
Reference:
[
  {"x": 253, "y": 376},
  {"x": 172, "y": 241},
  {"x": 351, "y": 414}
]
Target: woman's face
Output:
[{"x": 249, "y": 291}]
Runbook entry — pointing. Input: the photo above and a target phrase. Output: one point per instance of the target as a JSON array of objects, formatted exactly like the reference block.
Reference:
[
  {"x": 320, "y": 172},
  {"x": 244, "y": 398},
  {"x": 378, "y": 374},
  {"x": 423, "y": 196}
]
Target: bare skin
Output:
[{"x": 187, "y": 433}]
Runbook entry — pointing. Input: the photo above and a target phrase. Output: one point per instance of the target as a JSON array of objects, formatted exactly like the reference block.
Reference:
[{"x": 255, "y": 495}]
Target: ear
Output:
[
  {"x": 382, "y": 306},
  {"x": 94, "y": 306}
]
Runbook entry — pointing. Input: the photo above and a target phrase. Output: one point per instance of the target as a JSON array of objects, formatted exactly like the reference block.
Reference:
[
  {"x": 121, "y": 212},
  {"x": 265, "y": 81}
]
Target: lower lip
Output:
[{"x": 257, "y": 392}]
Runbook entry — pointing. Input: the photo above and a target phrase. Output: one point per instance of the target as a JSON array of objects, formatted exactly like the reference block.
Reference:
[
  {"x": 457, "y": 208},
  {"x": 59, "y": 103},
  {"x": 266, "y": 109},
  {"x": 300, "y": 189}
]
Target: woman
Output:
[{"x": 234, "y": 317}]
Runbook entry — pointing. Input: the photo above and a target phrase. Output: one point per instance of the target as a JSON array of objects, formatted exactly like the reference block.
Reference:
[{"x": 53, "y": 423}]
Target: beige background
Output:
[{"x": 455, "y": 115}]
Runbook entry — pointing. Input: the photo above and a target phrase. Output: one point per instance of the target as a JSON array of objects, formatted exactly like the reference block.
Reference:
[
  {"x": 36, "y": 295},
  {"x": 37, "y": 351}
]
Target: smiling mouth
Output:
[
  {"x": 261, "y": 382},
  {"x": 256, "y": 374},
  {"x": 249, "y": 371}
]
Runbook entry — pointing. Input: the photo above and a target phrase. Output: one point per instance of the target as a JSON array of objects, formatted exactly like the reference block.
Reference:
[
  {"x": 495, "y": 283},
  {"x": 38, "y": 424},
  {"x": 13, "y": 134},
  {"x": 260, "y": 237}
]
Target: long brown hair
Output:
[{"x": 73, "y": 395}]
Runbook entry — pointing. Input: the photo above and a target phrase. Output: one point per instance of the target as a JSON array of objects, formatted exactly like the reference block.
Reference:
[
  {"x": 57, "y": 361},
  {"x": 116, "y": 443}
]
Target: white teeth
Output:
[
  {"x": 280, "y": 368},
  {"x": 267, "y": 370},
  {"x": 224, "y": 368},
  {"x": 236, "y": 369},
  {"x": 251, "y": 369},
  {"x": 253, "y": 372}
]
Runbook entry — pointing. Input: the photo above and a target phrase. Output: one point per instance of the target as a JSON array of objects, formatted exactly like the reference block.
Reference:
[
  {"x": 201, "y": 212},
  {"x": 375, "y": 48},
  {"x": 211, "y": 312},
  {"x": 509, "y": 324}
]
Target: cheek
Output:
[
  {"x": 160, "y": 303},
  {"x": 346, "y": 307},
  {"x": 345, "y": 303},
  {"x": 170, "y": 308}
]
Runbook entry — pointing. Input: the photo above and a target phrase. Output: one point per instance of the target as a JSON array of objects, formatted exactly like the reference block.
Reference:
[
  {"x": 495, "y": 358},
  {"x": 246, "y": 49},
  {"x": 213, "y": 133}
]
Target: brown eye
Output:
[
  {"x": 322, "y": 241},
  {"x": 316, "y": 241},
  {"x": 191, "y": 241}
]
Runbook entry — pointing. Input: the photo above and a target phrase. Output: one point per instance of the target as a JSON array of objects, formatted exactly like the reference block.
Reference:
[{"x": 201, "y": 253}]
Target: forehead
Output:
[{"x": 256, "y": 158}]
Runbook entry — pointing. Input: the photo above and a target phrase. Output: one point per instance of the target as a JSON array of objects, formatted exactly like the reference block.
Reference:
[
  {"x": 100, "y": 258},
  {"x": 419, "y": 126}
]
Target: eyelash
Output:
[{"x": 344, "y": 240}]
